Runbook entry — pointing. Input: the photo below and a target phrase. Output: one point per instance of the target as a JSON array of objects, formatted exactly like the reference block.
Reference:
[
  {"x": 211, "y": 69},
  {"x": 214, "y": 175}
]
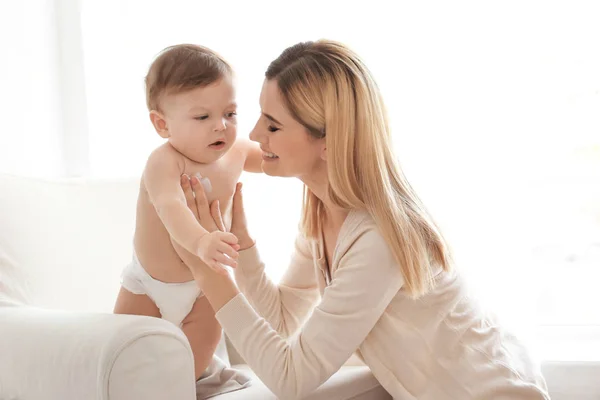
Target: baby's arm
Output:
[
  {"x": 162, "y": 179},
  {"x": 253, "y": 155}
]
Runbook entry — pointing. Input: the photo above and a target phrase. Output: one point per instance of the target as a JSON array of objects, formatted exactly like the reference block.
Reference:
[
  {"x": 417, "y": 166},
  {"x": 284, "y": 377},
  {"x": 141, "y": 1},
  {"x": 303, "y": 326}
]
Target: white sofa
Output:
[{"x": 67, "y": 242}]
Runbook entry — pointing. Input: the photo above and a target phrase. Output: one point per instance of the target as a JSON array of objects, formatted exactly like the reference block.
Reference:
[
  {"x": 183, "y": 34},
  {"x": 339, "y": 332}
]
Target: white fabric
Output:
[
  {"x": 174, "y": 300},
  {"x": 220, "y": 378},
  {"x": 70, "y": 238},
  {"x": 356, "y": 383},
  {"x": 13, "y": 290}
]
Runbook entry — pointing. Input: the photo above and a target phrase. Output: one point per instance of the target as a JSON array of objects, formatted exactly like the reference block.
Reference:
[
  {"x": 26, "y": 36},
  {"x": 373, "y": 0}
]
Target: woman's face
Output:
[{"x": 288, "y": 148}]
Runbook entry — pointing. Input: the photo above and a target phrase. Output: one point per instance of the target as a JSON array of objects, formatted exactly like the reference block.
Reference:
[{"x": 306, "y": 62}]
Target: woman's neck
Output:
[{"x": 319, "y": 186}]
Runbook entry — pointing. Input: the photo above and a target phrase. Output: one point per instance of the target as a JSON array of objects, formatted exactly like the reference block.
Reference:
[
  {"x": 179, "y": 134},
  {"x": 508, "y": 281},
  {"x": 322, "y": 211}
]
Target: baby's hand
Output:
[{"x": 218, "y": 248}]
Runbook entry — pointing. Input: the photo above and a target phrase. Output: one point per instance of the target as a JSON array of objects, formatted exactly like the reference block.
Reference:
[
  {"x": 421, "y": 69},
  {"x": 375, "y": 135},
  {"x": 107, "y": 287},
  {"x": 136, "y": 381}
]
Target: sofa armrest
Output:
[{"x": 46, "y": 354}]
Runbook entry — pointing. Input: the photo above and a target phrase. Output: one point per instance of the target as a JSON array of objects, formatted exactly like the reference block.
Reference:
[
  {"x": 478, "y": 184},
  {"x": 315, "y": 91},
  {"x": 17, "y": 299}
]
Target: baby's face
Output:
[{"x": 202, "y": 122}]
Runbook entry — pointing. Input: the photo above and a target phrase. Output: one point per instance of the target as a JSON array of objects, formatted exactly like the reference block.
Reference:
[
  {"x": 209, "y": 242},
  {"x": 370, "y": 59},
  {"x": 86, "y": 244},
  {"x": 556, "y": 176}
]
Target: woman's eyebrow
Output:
[{"x": 271, "y": 118}]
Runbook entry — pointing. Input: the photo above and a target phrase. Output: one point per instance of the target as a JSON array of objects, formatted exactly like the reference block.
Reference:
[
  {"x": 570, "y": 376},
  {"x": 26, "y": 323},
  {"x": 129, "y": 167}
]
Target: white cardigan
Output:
[{"x": 295, "y": 335}]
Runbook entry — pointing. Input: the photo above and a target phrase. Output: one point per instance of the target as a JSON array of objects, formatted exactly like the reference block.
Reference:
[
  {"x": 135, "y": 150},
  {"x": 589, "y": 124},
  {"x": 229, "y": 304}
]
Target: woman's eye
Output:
[
  {"x": 271, "y": 128},
  {"x": 202, "y": 117}
]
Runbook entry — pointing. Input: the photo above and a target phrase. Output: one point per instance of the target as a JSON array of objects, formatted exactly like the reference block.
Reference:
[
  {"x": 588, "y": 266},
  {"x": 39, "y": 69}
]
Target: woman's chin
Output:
[
  {"x": 276, "y": 169},
  {"x": 270, "y": 171}
]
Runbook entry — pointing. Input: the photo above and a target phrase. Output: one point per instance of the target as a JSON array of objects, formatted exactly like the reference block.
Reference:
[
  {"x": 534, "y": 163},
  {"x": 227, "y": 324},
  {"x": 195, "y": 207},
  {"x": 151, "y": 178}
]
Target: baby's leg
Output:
[
  {"x": 203, "y": 332},
  {"x": 135, "y": 304}
]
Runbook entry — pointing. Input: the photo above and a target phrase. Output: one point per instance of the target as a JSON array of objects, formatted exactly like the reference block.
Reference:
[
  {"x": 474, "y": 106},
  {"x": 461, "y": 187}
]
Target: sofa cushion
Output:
[
  {"x": 70, "y": 238},
  {"x": 13, "y": 282}
]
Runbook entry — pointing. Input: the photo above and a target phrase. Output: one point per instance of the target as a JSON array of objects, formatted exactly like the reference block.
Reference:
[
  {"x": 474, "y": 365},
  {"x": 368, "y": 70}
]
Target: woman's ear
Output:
[
  {"x": 160, "y": 124},
  {"x": 324, "y": 153}
]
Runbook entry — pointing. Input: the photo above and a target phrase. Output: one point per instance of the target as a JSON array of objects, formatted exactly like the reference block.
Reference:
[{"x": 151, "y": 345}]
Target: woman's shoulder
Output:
[
  {"x": 360, "y": 231},
  {"x": 361, "y": 245},
  {"x": 357, "y": 223}
]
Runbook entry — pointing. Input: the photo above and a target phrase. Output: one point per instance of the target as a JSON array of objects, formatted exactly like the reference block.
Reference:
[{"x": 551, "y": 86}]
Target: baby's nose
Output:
[{"x": 221, "y": 125}]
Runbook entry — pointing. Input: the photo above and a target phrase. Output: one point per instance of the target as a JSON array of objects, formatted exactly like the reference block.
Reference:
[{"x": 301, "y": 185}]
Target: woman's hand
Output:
[
  {"x": 210, "y": 218},
  {"x": 218, "y": 287},
  {"x": 239, "y": 226}
]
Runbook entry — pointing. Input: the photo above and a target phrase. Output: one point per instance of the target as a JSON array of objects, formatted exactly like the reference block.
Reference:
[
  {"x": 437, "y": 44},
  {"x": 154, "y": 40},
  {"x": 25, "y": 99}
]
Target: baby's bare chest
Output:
[{"x": 221, "y": 178}]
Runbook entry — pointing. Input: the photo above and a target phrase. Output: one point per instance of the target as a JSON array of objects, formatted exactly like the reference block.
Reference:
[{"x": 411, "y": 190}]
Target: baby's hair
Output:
[{"x": 181, "y": 68}]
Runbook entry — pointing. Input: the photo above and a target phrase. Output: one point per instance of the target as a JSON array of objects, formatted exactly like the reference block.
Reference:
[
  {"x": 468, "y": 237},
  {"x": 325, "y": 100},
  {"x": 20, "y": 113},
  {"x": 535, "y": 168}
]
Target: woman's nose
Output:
[{"x": 257, "y": 134}]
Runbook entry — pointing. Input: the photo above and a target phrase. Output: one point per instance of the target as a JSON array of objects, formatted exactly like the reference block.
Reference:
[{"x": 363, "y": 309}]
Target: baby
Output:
[{"x": 191, "y": 99}]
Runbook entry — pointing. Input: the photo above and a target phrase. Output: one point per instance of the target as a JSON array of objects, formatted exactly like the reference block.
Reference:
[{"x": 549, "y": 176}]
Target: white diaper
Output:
[{"x": 174, "y": 300}]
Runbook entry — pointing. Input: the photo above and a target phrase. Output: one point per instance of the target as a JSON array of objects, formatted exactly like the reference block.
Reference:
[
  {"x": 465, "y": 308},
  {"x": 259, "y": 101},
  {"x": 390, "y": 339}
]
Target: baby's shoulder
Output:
[{"x": 165, "y": 155}]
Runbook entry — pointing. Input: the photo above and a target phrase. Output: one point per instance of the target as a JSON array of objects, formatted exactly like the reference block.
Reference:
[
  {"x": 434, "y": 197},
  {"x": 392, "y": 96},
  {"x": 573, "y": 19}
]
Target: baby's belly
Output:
[
  {"x": 156, "y": 254},
  {"x": 152, "y": 245}
]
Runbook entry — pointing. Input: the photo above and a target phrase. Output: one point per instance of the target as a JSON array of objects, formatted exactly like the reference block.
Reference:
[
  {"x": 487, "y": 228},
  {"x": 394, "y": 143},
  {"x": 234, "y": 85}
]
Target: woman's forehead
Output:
[{"x": 271, "y": 102}]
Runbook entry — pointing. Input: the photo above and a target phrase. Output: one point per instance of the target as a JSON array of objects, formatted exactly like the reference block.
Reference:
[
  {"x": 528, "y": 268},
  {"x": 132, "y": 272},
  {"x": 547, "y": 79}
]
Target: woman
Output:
[{"x": 371, "y": 272}]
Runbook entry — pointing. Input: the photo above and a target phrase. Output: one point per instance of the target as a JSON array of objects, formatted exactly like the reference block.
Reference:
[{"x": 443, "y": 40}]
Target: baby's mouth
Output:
[{"x": 218, "y": 143}]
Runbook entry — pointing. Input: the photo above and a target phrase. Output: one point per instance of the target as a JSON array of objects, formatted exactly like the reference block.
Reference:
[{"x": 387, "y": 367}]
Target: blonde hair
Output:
[
  {"x": 180, "y": 68},
  {"x": 328, "y": 89}
]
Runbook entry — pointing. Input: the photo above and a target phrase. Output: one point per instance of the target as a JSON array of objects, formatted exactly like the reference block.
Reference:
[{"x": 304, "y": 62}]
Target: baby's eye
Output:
[
  {"x": 231, "y": 114},
  {"x": 201, "y": 117}
]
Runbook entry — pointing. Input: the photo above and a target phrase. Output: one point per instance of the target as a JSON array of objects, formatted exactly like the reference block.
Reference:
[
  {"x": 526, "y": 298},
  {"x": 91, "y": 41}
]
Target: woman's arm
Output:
[
  {"x": 364, "y": 284},
  {"x": 284, "y": 306},
  {"x": 366, "y": 281}
]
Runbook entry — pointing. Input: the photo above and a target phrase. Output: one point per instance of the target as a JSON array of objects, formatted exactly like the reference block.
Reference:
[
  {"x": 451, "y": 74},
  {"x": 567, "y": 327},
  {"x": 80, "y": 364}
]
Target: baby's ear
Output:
[{"x": 160, "y": 124}]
